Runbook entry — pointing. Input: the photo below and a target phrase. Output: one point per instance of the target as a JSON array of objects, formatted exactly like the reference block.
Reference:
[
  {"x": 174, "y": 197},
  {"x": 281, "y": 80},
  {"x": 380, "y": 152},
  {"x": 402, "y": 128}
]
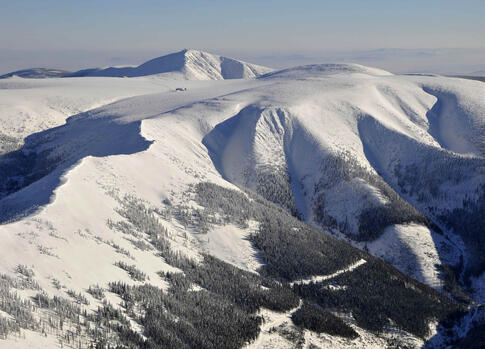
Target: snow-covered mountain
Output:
[
  {"x": 173, "y": 212},
  {"x": 186, "y": 64},
  {"x": 362, "y": 151},
  {"x": 478, "y": 73},
  {"x": 37, "y": 73}
]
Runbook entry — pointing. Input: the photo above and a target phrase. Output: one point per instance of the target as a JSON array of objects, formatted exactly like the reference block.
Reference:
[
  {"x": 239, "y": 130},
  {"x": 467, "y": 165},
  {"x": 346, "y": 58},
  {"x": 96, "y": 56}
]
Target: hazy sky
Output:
[{"x": 73, "y": 33}]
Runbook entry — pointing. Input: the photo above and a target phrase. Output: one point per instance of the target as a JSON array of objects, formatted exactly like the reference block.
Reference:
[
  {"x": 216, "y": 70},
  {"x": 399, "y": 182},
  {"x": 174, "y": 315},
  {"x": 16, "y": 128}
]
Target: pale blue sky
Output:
[{"x": 99, "y": 31}]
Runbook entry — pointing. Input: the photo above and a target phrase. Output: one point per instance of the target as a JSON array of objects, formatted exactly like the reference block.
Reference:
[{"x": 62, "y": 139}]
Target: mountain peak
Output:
[{"x": 186, "y": 64}]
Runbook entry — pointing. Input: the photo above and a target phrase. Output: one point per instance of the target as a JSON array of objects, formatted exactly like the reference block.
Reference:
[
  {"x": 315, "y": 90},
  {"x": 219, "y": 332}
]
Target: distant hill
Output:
[
  {"x": 37, "y": 73},
  {"x": 470, "y": 77},
  {"x": 478, "y": 73}
]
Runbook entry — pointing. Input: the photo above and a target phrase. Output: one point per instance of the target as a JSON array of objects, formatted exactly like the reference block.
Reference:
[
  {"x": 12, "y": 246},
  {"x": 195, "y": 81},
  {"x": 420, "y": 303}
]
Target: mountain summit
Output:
[{"x": 185, "y": 64}]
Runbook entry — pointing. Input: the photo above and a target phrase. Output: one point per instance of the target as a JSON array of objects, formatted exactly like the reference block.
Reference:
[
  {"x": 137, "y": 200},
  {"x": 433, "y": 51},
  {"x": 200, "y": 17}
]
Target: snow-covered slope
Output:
[
  {"x": 355, "y": 151},
  {"x": 29, "y": 106},
  {"x": 359, "y": 152},
  {"x": 186, "y": 64}
]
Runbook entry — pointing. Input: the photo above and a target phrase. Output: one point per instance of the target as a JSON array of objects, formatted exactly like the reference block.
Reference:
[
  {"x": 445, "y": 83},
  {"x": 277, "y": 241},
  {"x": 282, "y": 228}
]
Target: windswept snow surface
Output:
[
  {"x": 319, "y": 71},
  {"x": 29, "y": 106},
  {"x": 142, "y": 138}
]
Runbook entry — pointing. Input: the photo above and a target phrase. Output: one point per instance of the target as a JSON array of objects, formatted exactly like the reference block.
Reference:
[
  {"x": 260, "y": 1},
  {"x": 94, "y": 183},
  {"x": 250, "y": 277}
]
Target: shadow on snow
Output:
[{"x": 30, "y": 175}]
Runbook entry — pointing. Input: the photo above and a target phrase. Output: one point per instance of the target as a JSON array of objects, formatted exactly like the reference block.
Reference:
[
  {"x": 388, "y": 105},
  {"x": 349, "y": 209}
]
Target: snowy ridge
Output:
[{"x": 316, "y": 71}]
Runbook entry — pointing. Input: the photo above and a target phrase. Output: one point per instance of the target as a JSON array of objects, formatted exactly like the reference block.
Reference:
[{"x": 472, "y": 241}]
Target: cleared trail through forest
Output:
[{"x": 331, "y": 276}]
